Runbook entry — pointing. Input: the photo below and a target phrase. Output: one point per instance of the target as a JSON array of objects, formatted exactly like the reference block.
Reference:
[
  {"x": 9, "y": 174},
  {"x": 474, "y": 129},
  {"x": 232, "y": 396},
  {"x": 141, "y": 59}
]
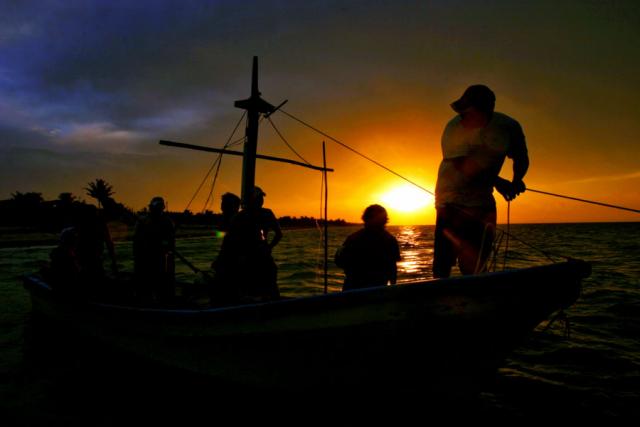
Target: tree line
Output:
[{"x": 30, "y": 209}]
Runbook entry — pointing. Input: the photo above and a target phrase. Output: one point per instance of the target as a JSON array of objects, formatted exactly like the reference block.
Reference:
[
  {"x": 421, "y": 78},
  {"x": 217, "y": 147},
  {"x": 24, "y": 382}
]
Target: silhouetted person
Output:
[
  {"x": 369, "y": 255},
  {"x": 249, "y": 241},
  {"x": 224, "y": 289},
  {"x": 474, "y": 146},
  {"x": 153, "y": 246},
  {"x": 93, "y": 236},
  {"x": 230, "y": 206},
  {"x": 64, "y": 271}
]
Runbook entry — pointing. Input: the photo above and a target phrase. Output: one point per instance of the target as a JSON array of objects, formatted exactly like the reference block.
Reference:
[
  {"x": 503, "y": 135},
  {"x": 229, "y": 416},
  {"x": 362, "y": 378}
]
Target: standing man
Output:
[
  {"x": 153, "y": 246},
  {"x": 222, "y": 290},
  {"x": 249, "y": 239},
  {"x": 474, "y": 146}
]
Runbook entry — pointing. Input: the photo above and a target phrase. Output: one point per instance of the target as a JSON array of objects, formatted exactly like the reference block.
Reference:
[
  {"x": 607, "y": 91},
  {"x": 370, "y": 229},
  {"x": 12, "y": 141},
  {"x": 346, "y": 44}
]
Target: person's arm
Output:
[
  {"x": 277, "y": 236},
  {"x": 520, "y": 155},
  {"x": 520, "y": 167},
  {"x": 275, "y": 226}
]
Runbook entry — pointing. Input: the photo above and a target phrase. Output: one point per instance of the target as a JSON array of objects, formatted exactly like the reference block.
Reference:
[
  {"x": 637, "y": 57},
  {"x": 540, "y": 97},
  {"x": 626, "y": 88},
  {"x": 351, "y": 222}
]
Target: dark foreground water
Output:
[{"x": 48, "y": 379}]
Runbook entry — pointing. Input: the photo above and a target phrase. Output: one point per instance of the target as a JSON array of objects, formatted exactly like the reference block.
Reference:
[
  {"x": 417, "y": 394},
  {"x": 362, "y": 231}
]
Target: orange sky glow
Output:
[{"x": 378, "y": 77}]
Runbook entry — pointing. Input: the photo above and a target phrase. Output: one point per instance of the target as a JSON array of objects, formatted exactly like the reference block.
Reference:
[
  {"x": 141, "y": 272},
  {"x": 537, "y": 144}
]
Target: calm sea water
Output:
[{"x": 593, "y": 373}]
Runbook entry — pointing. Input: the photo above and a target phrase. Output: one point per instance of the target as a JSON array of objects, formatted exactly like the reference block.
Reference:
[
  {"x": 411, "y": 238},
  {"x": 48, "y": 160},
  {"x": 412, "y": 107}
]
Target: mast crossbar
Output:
[{"x": 239, "y": 153}]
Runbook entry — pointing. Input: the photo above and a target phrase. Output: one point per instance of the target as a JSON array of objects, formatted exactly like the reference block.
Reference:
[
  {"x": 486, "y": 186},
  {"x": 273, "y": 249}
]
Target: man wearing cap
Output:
[{"x": 475, "y": 144}]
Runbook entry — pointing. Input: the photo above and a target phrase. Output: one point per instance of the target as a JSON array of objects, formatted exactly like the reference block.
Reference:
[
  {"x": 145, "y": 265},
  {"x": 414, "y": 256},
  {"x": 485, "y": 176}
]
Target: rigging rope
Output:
[
  {"x": 496, "y": 247},
  {"x": 285, "y": 141},
  {"x": 544, "y": 252},
  {"x": 202, "y": 183},
  {"x": 236, "y": 142},
  {"x": 325, "y": 179},
  {"x": 356, "y": 152},
  {"x": 584, "y": 200},
  {"x": 217, "y": 161},
  {"x": 321, "y": 239},
  {"x": 213, "y": 184},
  {"x": 506, "y": 246}
]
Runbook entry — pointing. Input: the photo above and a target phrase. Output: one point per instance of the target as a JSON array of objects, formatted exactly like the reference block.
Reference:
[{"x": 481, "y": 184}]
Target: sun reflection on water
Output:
[{"x": 416, "y": 248}]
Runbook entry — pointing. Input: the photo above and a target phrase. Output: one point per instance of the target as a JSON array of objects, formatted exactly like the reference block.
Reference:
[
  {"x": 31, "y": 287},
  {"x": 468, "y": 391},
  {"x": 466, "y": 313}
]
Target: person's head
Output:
[
  {"x": 375, "y": 216},
  {"x": 156, "y": 206},
  {"x": 69, "y": 237},
  {"x": 230, "y": 204},
  {"x": 256, "y": 199},
  {"x": 478, "y": 97}
]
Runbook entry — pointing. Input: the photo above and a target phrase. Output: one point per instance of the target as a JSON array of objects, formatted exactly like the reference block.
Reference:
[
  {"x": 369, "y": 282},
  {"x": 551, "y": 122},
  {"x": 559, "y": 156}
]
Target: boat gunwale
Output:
[{"x": 467, "y": 285}]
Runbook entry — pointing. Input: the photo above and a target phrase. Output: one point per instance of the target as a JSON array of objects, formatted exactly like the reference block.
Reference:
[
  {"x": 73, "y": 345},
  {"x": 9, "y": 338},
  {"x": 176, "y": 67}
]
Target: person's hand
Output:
[
  {"x": 518, "y": 187},
  {"x": 505, "y": 188},
  {"x": 509, "y": 190}
]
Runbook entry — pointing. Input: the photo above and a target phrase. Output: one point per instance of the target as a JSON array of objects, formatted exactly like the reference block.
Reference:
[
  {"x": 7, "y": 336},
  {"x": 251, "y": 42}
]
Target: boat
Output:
[
  {"x": 447, "y": 336},
  {"x": 442, "y": 334}
]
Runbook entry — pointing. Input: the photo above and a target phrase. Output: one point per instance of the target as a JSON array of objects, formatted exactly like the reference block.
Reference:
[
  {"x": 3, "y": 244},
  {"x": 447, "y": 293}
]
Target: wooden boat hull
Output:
[{"x": 444, "y": 335}]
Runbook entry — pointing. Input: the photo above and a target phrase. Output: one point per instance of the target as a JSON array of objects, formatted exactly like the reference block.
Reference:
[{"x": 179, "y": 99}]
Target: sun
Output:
[{"x": 406, "y": 198}]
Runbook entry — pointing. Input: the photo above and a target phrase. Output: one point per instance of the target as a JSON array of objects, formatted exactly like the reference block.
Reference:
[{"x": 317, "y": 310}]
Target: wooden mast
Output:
[{"x": 254, "y": 106}]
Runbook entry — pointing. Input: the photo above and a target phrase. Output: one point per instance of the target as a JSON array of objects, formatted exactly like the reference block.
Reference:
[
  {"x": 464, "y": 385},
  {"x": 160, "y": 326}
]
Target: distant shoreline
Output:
[{"x": 21, "y": 237}]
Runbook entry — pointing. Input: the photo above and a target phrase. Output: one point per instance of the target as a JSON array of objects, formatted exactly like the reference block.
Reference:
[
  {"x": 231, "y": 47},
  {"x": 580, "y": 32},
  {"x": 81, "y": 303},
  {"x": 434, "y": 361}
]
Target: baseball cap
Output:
[
  {"x": 257, "y": 191},
  {"x": 477, "y": 96}
]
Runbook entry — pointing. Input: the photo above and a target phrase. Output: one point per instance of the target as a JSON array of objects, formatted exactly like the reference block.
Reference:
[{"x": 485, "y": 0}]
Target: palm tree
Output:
[{"x": 100, "y": 190}]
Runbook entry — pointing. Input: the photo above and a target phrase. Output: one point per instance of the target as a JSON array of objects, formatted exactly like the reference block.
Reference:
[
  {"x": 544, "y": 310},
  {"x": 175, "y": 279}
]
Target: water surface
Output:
[{"x": 594, "y": 372}]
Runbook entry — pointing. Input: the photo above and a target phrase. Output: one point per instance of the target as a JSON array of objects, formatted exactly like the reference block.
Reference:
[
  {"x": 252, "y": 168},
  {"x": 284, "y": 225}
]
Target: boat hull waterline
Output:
[{"x": 444, "y": 334}]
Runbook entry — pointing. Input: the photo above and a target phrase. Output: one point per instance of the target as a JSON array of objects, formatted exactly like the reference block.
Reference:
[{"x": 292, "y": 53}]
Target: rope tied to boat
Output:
[
  {"x": 506, "y": 247},
  {"x": 562, "y": 315}
]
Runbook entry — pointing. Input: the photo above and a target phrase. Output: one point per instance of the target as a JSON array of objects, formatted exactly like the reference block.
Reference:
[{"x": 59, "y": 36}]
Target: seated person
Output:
[{"x": 369, "y": 255}]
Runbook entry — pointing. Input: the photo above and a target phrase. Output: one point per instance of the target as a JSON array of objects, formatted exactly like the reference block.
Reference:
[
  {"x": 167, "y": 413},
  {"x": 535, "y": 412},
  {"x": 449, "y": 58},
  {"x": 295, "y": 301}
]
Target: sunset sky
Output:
[{"x": 87, "y": 88}]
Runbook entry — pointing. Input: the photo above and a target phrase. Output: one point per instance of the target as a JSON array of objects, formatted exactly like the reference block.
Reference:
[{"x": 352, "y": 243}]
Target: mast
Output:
[{"x": 255, "y": 106}]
